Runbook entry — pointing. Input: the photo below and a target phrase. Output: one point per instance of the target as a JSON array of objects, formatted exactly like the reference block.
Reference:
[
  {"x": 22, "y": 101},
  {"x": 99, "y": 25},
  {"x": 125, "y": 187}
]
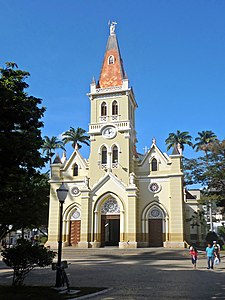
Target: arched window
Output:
[
  {"x": 115, "y": 154},
  {"x": 115, "y": 108},
  {"x": 104, "y": 155},
  {"x": 103, "y": 109},
  {"x": 154, "y": 165},
  {"x": 75, "y": 170},
  {"x": 111, "y": 60}
]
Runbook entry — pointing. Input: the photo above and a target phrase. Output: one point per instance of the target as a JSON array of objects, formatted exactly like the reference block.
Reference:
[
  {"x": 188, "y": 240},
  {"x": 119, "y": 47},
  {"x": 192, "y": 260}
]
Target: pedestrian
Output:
[
  {"x": 216, "y": 249},
  {"x": 194, "y": 256},
  {"x": 210, "y": 256}
]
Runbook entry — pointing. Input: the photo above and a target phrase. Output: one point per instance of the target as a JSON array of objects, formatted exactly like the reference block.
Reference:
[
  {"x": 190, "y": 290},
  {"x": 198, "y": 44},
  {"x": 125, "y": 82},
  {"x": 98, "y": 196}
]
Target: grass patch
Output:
[{"x": 42, "y": 292}]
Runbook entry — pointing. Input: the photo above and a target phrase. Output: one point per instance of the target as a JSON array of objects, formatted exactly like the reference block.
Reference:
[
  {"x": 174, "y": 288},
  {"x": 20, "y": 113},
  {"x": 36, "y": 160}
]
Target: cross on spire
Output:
[{"x": 145, "y": 149}]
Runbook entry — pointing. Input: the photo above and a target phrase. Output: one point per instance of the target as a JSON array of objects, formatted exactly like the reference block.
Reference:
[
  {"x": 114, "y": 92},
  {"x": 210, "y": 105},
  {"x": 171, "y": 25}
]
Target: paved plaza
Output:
[{"x": 150, "y": 273}]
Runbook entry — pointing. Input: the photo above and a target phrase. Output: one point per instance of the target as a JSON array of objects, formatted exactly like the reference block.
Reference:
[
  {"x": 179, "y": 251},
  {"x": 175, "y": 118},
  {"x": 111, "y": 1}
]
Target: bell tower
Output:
[{"x": 112, "y": 117}]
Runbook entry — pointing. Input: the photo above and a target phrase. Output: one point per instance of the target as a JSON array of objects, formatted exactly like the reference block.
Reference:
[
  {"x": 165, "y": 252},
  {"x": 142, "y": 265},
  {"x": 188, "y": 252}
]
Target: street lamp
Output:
[
  {"x": 10, "y": 228},
  {"x": 62, "y": 192}
]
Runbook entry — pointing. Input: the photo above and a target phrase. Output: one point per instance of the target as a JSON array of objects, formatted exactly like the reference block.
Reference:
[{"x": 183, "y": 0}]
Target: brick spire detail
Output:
[{"x": 112, "y": 72}]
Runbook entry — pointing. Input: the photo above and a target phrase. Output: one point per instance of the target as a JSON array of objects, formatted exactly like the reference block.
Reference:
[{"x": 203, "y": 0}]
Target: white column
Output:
[
  {"x": 96, "y": 229},
  {"x": 109, "y": 166},
  {"x": 122, "y": 224}
]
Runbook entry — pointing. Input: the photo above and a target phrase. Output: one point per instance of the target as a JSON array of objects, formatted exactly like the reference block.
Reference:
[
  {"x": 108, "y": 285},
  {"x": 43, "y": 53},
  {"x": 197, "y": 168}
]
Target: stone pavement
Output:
[{"x": 148, "y": 273}]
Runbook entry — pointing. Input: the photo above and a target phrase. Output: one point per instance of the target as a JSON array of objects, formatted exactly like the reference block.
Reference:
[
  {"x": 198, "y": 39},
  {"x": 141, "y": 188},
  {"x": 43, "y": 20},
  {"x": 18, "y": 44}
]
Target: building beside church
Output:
[{"x": 118, "y": 197}]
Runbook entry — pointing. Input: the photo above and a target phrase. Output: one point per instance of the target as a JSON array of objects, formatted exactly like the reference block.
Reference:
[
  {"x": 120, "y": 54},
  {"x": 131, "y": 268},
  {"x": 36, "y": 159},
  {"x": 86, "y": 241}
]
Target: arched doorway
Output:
[
  {"x": 155, "y": 227},
  {"x": 110, "y": 223},
  {"x": 75, "y": 223}
]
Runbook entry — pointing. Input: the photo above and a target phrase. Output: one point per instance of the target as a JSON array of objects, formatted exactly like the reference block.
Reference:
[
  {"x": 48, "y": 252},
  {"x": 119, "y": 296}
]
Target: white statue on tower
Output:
[{"x": 112, "y": 27}]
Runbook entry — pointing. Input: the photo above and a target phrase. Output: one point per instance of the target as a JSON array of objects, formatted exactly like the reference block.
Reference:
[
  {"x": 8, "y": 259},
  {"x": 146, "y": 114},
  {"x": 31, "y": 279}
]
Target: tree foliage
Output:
[
  {"x": 180, "y": 137},
  {"x": 75, "y": 136},
  {"x": 23, "y": 188},
  {"x": 203, "y": 139},
  {"x": 50, "y": 145},
  {"x": 209, "y": 171},
  {"x": 24, "y": 257}
]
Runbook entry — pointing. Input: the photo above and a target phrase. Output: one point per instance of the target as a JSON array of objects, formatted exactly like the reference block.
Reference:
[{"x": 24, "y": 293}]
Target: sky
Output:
[{"x": 173, "y": 52}]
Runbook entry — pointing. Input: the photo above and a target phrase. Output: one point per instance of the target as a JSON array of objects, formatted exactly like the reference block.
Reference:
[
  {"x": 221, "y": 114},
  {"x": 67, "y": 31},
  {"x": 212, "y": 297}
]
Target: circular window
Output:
[
  {"x": 154, "y": 187},
  {"x": 76, "y": 215},
  {"x": 155, "y": 213},
  {"x": 75, "y": 191}
]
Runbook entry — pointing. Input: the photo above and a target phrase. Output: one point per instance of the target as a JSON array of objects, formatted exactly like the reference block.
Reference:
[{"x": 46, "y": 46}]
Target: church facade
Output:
[{"x": 118, "y": 197}]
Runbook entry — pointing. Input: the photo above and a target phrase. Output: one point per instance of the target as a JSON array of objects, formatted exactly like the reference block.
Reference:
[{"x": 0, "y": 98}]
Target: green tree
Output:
[
  {"x": 182, "y": 138},
  {"x": 20, "y": 142},
  {"x": 209, "y": 172},
  {"x": 204, "y": 139},
  {"x": 50, "y": 145},
  {"x": 24, "y": 257},
  {"x": 76, "y": 136}
]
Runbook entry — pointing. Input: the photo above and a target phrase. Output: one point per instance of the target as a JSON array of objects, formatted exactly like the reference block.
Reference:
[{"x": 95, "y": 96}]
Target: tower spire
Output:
[{"x": 112, "y": 72}]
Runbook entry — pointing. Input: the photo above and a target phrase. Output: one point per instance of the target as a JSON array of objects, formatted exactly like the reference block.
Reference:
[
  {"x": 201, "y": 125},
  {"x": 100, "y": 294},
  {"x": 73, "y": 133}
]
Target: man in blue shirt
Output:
[{"x": 210, "y": 256}]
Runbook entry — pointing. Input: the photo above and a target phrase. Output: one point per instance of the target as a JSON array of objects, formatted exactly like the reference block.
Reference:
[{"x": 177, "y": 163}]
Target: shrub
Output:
[{"x": 24, "y": 257}]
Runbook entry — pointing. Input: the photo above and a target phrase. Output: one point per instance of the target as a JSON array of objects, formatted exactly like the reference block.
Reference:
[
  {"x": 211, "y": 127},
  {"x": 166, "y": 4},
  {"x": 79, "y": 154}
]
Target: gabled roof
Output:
[
  {"x": 112, "y": 74},
  {"x": 108, "y": 176},
  {"x": 189, "y": 195},
  {"x": 164, "y": 157},
  {"x": 79, "y": 158}
]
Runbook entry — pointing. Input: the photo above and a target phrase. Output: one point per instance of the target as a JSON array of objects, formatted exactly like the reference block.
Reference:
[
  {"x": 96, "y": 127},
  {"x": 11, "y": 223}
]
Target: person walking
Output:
[
  {"x": 194, "y": 256},
  {"x": 216, "y": 249},
  {"x": 210, "y": 256}
]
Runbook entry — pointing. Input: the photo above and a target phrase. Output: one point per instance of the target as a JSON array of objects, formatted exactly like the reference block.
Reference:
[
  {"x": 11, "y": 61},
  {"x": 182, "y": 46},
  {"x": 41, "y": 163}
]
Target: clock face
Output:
[{"x": 109, "y": 132}]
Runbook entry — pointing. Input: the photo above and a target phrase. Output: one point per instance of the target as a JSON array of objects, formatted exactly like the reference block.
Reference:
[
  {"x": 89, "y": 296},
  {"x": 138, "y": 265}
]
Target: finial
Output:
[
  {"x": 154, "y": 140},
  {"x": 76, "y": 146},
  {"x": 145, "y": 149},
  {"x": 179, "y": 148},
  {"x": 63, "y": 159},
  {"x": 112, "y": 27},
  {"x": 93, "y": 80},
  {"x": 57, "y": 159}
]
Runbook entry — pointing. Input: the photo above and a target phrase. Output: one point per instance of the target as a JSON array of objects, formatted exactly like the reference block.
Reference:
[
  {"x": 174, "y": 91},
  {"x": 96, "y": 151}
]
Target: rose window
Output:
[
  {"x": 155, "y": 213},
  {"x": 75, "y": 191},
  {"x": 110, "y": 207},
  {"x": 154, "y": 187}
]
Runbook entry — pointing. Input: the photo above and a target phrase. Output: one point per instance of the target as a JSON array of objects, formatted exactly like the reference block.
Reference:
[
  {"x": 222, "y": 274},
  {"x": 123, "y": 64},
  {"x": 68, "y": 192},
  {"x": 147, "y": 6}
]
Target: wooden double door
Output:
[
  {"x": 155, "y": 232},
  {"x": 74, "y": 232},
  {"x": 110, "y": 230}
]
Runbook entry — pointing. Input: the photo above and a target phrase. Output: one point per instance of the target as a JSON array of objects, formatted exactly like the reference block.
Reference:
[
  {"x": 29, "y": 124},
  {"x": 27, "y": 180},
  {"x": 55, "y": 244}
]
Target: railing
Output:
[
  {"x": 109, "y": 89},
  {"x": 114, "y": 165},
  {"x": 104, "y": 166},
  {"x": 120, "y": 125}
]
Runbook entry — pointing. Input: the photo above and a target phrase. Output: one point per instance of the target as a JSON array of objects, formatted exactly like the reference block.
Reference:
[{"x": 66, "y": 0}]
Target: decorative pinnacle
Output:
[{"x": 112, "y": 27}]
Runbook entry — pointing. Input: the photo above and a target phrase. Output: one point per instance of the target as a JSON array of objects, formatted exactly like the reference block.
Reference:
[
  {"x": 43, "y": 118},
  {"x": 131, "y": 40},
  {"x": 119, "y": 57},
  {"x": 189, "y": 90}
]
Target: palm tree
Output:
[
  {"x": 75, "y": 136},
  {"x": 181, "y": 138},
  {"x": 49, "y": 146},
  {"x": 204, "y": 138}
]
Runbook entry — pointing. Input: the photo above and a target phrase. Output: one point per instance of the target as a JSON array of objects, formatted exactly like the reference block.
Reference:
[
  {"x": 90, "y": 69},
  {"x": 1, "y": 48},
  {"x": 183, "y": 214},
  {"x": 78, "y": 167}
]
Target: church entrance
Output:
[
  {"x": 75, "y": 224},
  {"x": 155, "y": 232},
  {"x": 110, "y": 230},
  {"x": 74, "y": 232}
]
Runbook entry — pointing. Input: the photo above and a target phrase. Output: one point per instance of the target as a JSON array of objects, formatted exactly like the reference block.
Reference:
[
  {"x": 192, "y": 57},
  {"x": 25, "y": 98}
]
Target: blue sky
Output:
[{"x": 173, "y": 53}]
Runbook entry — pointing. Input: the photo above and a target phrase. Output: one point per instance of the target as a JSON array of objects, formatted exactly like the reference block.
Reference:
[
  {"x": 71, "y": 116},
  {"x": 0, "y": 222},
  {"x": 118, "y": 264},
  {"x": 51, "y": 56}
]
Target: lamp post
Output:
[
  {"x": 62, "y": 192},
  {"x": 10, "y": 228}
]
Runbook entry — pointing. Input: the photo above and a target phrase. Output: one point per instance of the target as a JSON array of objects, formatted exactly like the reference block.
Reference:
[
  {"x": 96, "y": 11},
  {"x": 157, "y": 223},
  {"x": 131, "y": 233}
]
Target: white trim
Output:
[
  {"x": 97, "y": 213},
  {"x": 146, "y": 213}
]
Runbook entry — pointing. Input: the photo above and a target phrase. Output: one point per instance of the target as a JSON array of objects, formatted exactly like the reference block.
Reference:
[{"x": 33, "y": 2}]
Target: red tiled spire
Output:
[{"x": 112, "y": 72}]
